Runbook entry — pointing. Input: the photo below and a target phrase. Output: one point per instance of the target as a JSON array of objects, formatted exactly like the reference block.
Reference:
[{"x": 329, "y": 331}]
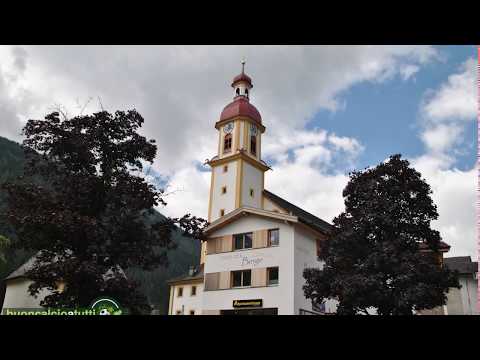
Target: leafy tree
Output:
[
  {"x": 86, "y": 217},
  {"x": 4, "y": 244},
  {"x": 374, "y": 257}
]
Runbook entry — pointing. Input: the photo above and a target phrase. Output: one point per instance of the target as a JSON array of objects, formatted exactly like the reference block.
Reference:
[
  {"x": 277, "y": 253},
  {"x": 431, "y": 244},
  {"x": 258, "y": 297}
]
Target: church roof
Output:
[
  {"x": 302, "y": 215},
  {"x": 242, "y": 77},
  {"x": 240, "y": 106},
  {"x": 463, "y": 264},
  {"x": 197, "y": 275},
  {"x": 22, "y": 270}
]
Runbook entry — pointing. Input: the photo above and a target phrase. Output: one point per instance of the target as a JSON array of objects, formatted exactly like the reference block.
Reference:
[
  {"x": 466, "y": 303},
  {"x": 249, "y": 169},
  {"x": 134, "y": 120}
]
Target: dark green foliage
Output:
[
  {"x": 372, "y": 258},
  {"x": 11, "y": 166},
  {"x": 80, "y": 202}
]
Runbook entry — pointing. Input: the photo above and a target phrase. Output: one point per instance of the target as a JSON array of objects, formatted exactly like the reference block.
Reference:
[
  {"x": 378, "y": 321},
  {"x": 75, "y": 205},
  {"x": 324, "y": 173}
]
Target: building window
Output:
[
  {"x": 241, "y": 278},
  {"x": 242, "y": 241},
  {"x": 222, "y": 212},
  {"x": 246, "y": 91},
  {"x": 227, "y": 143},
  {"x": 194, "y": 291},
  {"x": 224, "y": 189},
  {"x": 272, "y": 276},
  {"x": 225, "y": 168},
  {"x": 251, "y": 192},
  {"x": 179, "y": 312},
  {"x": 273, "y": 237},
  {"x": 180, "y": 292},
  {"x": 192, "y": 312},
  {"x": 253, "y": 145},
  {"x": 238, "y": 91}
]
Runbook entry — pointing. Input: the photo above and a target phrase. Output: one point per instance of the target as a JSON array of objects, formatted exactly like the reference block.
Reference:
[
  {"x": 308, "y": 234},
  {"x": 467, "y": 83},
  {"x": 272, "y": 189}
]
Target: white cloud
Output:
[
  {"x": 407, "y": 71},
  {"x": 180, "y": 90},
  {"x": 455, "y": 99},
  {"x": 445, "y": 115},
  {"x": 439, "y": 138}
]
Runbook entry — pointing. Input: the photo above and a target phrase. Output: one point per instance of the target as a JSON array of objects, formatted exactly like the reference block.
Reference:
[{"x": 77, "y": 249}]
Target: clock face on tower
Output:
[
  {"x": 227, "y": 129},
  {"x": 253, "y": 129}
]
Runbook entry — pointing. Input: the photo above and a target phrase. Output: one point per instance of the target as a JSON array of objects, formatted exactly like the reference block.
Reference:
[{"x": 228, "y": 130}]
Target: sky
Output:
[{"x": 327, "y": 110}]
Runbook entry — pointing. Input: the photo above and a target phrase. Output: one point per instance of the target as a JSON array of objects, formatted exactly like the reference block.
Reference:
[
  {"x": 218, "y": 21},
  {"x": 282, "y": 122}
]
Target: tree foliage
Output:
[
  {"x": 81, "y": 205},
  {"x": 374, "y": 258}
]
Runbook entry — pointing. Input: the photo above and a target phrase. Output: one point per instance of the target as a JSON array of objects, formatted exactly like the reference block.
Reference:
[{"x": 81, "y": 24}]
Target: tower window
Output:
[
  {"x": 222, "y": 212},
  {"x": 246, "y": 92},
  {"x": 253, "y": 145},
  {"x": 224, "y": 189},
  {"x": 251, "y": 192},
  {"x": 225, "y": 168},
  {"x": 227, "y": 143},
  {"x": 238, "y": 91}
]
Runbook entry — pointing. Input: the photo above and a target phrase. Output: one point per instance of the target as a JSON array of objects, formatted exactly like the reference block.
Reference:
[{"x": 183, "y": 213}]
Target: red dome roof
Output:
[
  {"x": 240, "y": 106},
  {"x": 242, "y": 77}
]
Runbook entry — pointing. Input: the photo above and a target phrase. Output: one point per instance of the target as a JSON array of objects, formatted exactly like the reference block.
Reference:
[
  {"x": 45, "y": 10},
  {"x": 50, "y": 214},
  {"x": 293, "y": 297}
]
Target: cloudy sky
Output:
[{"x": 327, "y": 110}]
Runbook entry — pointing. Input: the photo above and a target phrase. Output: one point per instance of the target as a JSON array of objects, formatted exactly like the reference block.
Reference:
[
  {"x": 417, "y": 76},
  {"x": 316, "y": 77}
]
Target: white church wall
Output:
[
  {"x": 270, "y": 206},
  {"x": 279, "y": 296},
  {"x": 223, "y": 201},
  {"x": 252, "y": 179}
]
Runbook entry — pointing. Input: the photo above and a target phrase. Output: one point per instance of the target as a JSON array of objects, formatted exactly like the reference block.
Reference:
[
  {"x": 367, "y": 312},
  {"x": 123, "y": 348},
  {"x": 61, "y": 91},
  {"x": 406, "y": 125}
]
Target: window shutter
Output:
[
  {"x": 224, "y": 281},
  {"x": 259, "y": 277},
  {"x": 265, "y": 238},
  {"x": 260, "y": 238},
  {"x": 212, "y": 246},
  {"x": 211, "y": 281},
  {"x": 219, "y": 245},
  {"x": 227, "y": 243}
]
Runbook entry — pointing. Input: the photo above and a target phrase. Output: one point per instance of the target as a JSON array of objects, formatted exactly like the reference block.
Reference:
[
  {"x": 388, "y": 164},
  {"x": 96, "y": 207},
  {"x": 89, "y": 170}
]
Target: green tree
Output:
[
  {"x": 4, "y": 244},
  {"x": 373, "y": 258},
  {"x": 82, "y": 205}
]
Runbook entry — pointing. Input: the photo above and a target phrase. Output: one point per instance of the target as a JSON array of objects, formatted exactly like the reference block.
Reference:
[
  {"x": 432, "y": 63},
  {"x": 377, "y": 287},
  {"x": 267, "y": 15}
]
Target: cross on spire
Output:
[{"x": 243, "y": 65}]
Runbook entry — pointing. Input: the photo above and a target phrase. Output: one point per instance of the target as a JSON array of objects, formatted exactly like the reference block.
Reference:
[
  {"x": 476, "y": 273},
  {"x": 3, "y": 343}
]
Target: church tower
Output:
[{"x": 237, "y": 178}]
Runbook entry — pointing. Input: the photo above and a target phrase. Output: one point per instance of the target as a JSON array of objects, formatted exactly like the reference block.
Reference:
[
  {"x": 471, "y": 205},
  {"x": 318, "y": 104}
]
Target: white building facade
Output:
[{"x": 257, "y": 243}]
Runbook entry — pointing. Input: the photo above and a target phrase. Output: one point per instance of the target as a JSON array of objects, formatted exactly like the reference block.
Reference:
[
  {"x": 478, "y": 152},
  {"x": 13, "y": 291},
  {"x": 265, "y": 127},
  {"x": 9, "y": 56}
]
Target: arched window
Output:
[
  {"x": 253, "y": 145},
  {"x": 238, "y": 91},
  {"x": 246, "y": 92},
  {"x": 227, "y": 143}
]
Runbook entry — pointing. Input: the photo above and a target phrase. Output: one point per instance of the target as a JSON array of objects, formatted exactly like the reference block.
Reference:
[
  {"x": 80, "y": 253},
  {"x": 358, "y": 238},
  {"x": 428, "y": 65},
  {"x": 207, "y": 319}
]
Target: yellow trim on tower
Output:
[
  {"x": 238, "y": 187},
  {"x": 212, "y": 182},
  {"x": 246, "y": 143},
  {"x": 237, "y": 134},
  {"x": 219, "y": 142},
  {"x": 259, "y": 146},
  {"x": 240, "y": 155},
  {"x": 261, "y": 191}
]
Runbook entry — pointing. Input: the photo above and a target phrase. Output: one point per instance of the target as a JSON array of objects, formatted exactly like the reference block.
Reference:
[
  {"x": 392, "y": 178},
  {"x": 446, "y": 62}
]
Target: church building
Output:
[{"x": 258, "y": 244}]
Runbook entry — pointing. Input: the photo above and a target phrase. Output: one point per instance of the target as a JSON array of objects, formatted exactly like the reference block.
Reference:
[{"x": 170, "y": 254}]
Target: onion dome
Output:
[{"x": 241, "y": 106}]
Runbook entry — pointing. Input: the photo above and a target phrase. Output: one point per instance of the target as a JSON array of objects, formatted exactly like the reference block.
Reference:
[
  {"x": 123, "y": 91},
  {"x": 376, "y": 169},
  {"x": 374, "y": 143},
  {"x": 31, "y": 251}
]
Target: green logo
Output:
[{"x": 106, "y": 306}]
